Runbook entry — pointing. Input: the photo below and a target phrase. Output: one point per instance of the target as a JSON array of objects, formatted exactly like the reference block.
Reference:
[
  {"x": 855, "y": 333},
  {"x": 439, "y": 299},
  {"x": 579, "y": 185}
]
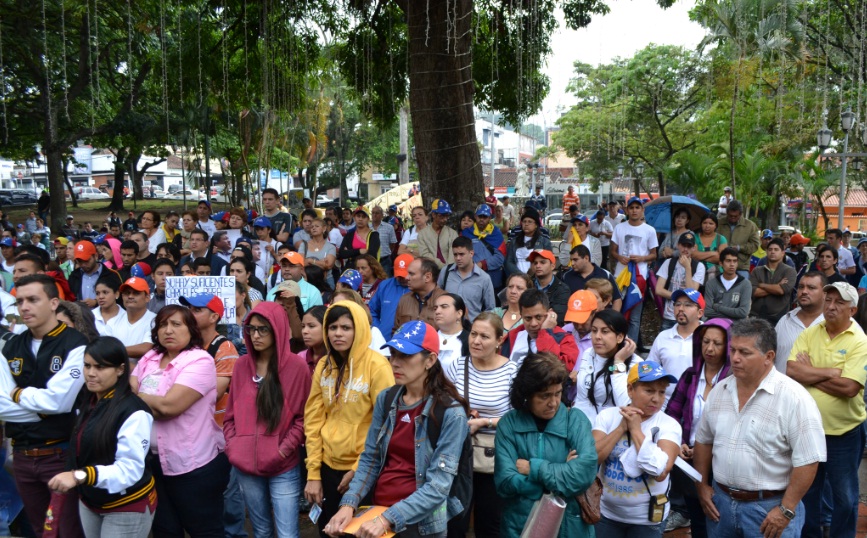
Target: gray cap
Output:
[{"x": 847, "y": 291}]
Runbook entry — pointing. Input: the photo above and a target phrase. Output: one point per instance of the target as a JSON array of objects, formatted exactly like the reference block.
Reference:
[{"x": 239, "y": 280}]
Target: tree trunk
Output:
[
  {"x": 441, "y": 102},
  {"x": 660, "y": 181},
  {"x": 119, "y": 172},
  {"x": 53, "y": 162},
  {"x": 65, "y": 164}
]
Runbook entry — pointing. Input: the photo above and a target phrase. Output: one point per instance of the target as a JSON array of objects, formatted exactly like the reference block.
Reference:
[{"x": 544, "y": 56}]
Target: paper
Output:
[
  {"x": 688, "y": 469},
  {"x": 364, "y": 515}
]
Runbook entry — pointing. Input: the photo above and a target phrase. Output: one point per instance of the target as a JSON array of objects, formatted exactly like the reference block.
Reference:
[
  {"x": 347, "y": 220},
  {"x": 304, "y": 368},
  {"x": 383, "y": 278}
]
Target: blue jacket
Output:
[
  {"x": 383, "y": 305},
  {"x": 429, "y": 506},
  {"x": 518, "y": 437}
]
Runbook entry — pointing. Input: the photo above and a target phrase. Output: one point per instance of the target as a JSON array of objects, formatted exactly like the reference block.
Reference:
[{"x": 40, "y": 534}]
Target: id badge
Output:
[
  {"x": 315, "y": 512},
  {"x": 656, "y": 509}
]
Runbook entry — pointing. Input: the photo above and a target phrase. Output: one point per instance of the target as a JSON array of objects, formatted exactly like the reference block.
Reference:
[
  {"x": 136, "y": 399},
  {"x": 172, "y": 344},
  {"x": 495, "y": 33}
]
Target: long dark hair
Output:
[
  {"x": 334, "y": 358},
  {"x": 519, "y": 239},
  {"x": 617, "y": 323},
  {"x": 438, "y": 387},
  {"x": 162, "y": 318},
  {"x": 269, "y": 399},
  {"x": 462, "y": 306},
  {"x": 110, "y": 352}
]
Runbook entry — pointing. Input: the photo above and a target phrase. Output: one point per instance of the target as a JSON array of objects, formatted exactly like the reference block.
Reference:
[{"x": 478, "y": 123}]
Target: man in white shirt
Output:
[
  {"x": 809, "y": 312},
  {"x": 508, "y": 212},
  {"x": 205, "y": 222},
  {"x": 134, "y": 327},
  {"x": 724, "y": 202},
  {"x": 682, "y": 273},
  {"x": 753, "y": 414},
  {"x": 673, "y": 347},
  {"x": 635, "y": 241},
  {"x": 601, "y": 229},
  {"x": 845, "y": 261}
]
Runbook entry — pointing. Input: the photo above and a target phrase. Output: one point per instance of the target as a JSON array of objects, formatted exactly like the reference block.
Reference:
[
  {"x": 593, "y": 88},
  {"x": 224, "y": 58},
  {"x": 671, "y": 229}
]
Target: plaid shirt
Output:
[{"x": 755, "y": 449}]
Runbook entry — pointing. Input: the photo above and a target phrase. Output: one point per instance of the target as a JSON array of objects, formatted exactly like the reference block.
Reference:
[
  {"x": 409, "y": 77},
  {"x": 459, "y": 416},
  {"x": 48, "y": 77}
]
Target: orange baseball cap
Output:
[
  {"x": 401, "y": 264},
  {"x": 547, "y": 254},
  {"x": 136, "y": 284},
  {"x": 581, "y": 304},
  {"x": 293, "y": 257},
  {"x": 84, "y": 250}
]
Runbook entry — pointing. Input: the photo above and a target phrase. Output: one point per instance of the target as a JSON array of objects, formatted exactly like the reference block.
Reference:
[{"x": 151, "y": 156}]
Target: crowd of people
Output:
[{"x": 450, "y": 375}]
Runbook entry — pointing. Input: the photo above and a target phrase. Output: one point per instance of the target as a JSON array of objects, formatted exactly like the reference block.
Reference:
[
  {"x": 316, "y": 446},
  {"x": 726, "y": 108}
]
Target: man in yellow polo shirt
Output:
[{"x": 829, "y": 359}]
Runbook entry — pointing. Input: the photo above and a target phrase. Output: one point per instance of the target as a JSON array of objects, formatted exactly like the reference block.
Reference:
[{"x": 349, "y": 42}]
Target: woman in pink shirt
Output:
[{"x": 178, "y": 381}]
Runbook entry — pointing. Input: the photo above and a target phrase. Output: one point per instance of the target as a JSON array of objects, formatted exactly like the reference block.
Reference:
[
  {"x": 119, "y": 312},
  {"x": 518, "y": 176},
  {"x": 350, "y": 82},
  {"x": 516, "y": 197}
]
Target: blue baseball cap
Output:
[
  {"x": 351, "y": 278},
  {"x": 483, "y": 210},
  {"x": 414, "y": 337},
  {"x": 252, "y": 214},
  {"x": 441, "y": 207},
  {"x": 393, "y": 207},
  {"x": 206, "y": 202},
  {"x": 8, "y": 242},
  {"x": 691, "y": 294},
  {"x": 218, "y": 216},
  {"x": 140, "y": 269},
  {"x": 767, "y": 234},
  {"x": 581, "y": 218},
  {"x": 634, "y": 200},
  {"x": 100, "y": 239},
  {"x": 647, "y": 372},
  {"x": 262, "y": 222},
  {"x": 204, "y": 300}
]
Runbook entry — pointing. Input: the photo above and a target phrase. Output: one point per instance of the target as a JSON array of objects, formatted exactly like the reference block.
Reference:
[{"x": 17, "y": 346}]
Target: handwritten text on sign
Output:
[{"x": 190, "y": 286}]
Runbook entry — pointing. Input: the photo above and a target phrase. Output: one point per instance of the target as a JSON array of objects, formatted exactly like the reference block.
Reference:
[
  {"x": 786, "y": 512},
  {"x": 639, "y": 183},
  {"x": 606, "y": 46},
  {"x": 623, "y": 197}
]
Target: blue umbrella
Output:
[{"x": 658, "y": 212}]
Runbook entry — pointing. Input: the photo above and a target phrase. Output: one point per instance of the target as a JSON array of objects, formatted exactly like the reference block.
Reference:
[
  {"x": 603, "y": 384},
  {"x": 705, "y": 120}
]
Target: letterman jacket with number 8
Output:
[{"x": 43, "y": 388}]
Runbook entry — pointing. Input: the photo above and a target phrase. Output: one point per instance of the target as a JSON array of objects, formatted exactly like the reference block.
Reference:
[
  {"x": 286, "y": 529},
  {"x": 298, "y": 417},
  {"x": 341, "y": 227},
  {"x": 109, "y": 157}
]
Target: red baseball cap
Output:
[
  {"x": 547, "y": 254},
  {"x": 136, "y": 284},
  {"x": 84, "y": 250},
  {"x": 204, "y": 300},
  {"x": 401, "y": 265}
]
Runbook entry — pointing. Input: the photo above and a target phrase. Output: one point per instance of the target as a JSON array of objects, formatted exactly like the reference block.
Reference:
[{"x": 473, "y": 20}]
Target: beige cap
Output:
[{"x": 846, "y": 291}]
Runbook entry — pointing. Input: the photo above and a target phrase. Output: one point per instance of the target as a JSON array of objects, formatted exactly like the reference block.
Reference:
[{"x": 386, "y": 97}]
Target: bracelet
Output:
[{"x": 490, "y": 423}]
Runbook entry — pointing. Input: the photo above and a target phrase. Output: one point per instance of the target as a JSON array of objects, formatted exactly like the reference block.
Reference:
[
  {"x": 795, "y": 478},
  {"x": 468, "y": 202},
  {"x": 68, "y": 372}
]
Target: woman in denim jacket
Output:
[{"x": 398, "y": 467}]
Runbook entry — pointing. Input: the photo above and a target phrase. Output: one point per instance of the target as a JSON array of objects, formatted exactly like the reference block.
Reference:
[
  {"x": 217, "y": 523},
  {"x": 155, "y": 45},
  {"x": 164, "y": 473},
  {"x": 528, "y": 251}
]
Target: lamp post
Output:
[{"x": 639, "y": 173}]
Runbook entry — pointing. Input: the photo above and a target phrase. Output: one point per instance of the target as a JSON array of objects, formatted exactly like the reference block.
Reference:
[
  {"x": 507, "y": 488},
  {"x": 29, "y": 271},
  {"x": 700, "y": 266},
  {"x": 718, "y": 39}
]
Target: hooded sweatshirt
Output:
[
  {"x": 114, "y": 245},
  {"x": 336, "y": 419},
  {"x": 249, "y": 445},
  {"x": 680, "y": 407}
]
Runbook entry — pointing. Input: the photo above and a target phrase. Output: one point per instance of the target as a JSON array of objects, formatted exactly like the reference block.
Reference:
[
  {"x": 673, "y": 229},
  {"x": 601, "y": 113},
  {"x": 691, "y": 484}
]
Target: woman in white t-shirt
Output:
[
  {"x": 601, "y": 379},
  {"x": 636, "y": 446},
  {"x": 409, "y": 241},
  {"x": 450, "y": 313}
]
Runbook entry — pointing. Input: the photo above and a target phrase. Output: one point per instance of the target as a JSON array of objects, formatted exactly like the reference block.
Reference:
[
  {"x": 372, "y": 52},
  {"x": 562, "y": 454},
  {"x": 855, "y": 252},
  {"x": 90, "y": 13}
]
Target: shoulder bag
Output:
[{"x": 483, "y": 443}]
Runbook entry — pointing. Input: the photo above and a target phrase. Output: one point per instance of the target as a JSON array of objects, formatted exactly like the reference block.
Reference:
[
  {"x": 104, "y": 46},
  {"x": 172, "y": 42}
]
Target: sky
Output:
[{"x": 629, "y": 27}]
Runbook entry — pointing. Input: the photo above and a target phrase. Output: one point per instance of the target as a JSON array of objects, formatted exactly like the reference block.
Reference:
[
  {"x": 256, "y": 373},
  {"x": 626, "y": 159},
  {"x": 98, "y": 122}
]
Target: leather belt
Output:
[
  {"x": 39, "y": 452},
  {"x": 743, "y": 495}
]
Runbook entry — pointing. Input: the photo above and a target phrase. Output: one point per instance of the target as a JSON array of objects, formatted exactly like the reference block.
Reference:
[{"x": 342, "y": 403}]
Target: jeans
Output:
[
  {"x": 278, "y": 494},
  {"x": 115, "y": 524},
  {"x": 608, "y": 528},
  {"x": 841, "y": 472},
  {"x": 635, "y": 322},
  {"x": 32, "y": 474},
  {"x": 744, "y": 518},
  {"x": 233, "y": 508},
  {"x": 387, "y": 265},
  {"x": 191, "y": 502}
]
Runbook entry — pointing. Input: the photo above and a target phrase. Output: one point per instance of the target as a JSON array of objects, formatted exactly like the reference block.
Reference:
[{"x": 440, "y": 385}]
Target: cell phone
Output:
[{"x": 315, "y": 512}]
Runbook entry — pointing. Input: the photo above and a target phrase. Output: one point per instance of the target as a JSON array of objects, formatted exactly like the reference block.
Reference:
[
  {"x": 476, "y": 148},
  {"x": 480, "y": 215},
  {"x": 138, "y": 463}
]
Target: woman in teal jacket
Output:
[{"x": 542, "y": 446}]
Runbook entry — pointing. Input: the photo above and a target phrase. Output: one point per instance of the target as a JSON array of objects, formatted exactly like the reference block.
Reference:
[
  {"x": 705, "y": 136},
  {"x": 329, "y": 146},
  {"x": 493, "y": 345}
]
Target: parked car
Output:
[
  {"x": 90, "y": 193},
  {"x": 322, "y": 200},
  {"x": 19, "y": 196},
  {"x": 554, "y": 219},
  {"x": 190, "y": 195}
]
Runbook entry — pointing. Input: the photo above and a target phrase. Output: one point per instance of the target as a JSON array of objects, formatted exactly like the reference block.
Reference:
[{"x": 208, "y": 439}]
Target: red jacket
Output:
[
  {"x": 556, "y": 341},
  {"x": 249, "y": 446}
]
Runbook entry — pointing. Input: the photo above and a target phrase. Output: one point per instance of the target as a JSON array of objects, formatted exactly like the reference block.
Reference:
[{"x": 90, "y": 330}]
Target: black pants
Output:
[
  {"x": 191, "y": 502},
  {"x": 485, "y": 509},
  {"x": 605, "y": 251},
  {"x": 683, "y": 484},
  {"x": 331, "y": 498}
]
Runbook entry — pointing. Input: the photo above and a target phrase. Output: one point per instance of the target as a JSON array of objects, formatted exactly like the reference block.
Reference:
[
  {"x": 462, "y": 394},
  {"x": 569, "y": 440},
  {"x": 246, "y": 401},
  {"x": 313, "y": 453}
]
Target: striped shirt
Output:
[
  {"x": 489, "y": 389},
  {"x": 756, "y": 448}
]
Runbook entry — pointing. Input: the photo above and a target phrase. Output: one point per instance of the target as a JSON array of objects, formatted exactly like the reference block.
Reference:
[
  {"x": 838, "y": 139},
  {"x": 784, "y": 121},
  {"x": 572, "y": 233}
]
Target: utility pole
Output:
[
  {"x": 493, "y": 138},
  {"x": 403, "y": 171}
]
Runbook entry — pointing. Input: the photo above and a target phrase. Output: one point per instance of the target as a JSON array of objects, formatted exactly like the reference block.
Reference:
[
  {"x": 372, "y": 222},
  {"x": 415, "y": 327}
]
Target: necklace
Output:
[{"x": 512, "y": 315}]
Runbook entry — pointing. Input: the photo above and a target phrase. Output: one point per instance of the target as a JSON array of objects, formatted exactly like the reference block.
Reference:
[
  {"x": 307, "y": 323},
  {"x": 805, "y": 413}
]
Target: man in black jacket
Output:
[
  {"x": 40, "y": 377},
  {"x": 82, "y": 280}
]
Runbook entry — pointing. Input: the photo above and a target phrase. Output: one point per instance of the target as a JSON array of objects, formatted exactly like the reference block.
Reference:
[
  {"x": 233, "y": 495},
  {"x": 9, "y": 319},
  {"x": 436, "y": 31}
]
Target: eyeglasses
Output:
[
  {"x": 263, "y": 330},
  {"x": 681, "y": 304}
]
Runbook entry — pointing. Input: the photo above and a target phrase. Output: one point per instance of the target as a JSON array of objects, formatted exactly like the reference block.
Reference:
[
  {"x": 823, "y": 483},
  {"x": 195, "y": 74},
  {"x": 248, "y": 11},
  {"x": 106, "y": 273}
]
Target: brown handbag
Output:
[{"x": 589, "y": 502}]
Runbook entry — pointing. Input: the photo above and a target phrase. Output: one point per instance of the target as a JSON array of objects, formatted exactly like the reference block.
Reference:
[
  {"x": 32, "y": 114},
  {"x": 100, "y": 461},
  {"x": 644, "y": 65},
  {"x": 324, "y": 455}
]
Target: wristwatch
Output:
[
  {"x": 788, "y": 514},
  {"x": 80, "y": 476},
  {"x": 618, "y": 367}
]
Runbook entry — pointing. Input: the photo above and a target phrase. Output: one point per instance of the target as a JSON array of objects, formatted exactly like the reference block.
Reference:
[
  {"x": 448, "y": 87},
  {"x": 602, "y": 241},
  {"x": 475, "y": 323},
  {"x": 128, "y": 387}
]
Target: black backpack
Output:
[{"x": 462, "y": 486}]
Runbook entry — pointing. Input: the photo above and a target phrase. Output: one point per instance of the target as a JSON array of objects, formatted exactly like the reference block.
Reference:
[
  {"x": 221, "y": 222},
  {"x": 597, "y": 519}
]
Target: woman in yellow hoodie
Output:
[{"x": 339, "y": 410}]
